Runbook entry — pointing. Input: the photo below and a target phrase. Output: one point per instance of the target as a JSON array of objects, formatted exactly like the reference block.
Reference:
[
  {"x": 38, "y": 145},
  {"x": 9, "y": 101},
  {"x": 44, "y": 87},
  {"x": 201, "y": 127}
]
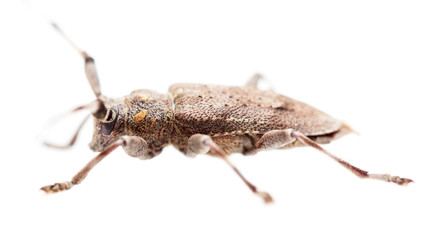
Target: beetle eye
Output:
[
  {"x": 111, "y": 116},
  {"x": 110, "y": 120}
]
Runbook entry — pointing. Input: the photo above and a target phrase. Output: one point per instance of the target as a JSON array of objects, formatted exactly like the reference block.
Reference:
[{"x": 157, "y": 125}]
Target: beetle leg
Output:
[
  {"x": 134, "y": 146},
  {"x": 200, "y": 144},
  {"x": 279, "y": 138},
  {"x": 253, "y": 81},
  {"x": 137, "y": 147},
  {"x": 272, "y": 140}
]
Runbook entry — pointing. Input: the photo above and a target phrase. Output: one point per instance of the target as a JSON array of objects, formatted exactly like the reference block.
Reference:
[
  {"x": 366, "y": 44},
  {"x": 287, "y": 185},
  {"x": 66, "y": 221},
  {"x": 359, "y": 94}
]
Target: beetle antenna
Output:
[
  {"x": 96, "y": 108},
  {"x": 89, "y": 62},
  {"x": 65, "y": 36},
  {"x": 73, "y": 139},
  {"x": 90, "y": 68}
]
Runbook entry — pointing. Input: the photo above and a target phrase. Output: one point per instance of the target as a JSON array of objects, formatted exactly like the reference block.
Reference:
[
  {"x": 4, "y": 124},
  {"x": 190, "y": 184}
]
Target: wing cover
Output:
[{"x": 221, "y": 110}]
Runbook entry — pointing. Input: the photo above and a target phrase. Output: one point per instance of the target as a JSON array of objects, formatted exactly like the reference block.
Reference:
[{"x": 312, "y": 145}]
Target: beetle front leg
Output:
[
  {"x": 280, "y": 138},
  {"x": 200, "y": 144},
  {"x": 133, "y": 146}
]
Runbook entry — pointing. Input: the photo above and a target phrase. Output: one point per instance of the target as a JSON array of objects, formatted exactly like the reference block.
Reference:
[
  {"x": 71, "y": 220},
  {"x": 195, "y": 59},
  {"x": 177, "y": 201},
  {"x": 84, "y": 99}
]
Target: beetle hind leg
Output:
[
  {"x": 357, "y": 171},
  {"x": 280, "y": 138}
]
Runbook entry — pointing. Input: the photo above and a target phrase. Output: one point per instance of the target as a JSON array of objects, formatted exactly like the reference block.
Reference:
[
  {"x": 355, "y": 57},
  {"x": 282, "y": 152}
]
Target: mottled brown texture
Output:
[
  {"x": 218, "y": 110},
  {"x": 235, "y": 117},
  {"x": 157, "y": 124}
]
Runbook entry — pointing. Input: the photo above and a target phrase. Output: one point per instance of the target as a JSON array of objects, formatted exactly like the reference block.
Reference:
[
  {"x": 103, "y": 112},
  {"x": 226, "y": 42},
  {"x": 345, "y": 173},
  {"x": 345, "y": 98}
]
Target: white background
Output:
[{"x": 360, "y": 61}]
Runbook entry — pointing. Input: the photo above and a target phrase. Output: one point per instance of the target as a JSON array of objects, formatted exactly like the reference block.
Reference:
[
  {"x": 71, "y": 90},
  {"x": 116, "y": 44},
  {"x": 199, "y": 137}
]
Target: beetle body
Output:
[
  {"x": 200, "y": 119},
  {"x": 235, "y": 117}
]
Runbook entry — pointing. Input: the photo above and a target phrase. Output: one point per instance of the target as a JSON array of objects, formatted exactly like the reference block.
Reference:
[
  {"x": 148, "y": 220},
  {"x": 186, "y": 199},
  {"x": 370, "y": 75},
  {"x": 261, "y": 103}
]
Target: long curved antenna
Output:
[
  {"x": 73, "y": 139},
  {"x": 96, "y": 108},
  {"x": 90, "y": 68}
]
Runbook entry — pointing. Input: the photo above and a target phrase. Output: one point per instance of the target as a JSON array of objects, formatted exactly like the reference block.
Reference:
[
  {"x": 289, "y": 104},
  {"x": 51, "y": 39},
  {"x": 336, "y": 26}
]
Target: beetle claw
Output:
[
  {"x": 389, "y": 178},
  {"x": 402, "y": 181},
  {"x": 57, "y": 187},
  {"x": 266, "y": 197}
]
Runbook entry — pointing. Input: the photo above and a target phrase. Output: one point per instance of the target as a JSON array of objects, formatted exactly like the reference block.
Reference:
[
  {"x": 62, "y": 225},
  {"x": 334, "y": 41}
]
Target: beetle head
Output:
[{"x": 109, "y": 118}]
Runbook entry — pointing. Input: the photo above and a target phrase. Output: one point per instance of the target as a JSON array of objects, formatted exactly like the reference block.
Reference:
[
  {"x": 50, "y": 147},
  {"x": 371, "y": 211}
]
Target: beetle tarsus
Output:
[
  {"x": 57, "y": 187},
  {"x": 265, "y": 196},
  {"x": 403, "y": 181},
  {"x": 388, "y": 178}
]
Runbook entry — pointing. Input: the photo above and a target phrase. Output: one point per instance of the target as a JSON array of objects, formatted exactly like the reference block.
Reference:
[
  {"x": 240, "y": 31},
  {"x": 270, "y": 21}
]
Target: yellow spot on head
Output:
[
  {"x": 143, "y": 97},
  {"x": 140, "y": 116}
]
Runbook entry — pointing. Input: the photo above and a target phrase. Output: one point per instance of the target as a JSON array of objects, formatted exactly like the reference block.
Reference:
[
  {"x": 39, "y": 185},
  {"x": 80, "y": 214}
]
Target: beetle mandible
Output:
[{"x": 199, "y": 119}]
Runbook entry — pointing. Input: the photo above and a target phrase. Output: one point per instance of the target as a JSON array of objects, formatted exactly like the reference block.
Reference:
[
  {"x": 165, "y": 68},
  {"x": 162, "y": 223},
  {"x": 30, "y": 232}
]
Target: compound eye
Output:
[
  {"x": 110, "y": 120},
  {"x": 110, "y": 117}
]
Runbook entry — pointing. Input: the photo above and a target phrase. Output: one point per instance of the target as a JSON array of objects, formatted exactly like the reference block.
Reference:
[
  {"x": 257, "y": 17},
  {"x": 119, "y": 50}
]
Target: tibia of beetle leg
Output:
[
  {"x": 265, "y": 196},
  {"x": 57, "y": 187}
]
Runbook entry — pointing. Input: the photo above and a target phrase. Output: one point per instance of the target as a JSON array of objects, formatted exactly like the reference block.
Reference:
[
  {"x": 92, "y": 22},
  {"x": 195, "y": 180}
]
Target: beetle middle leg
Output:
[
  {"x": 133, "y": 146},
  {"x": 280, "y": 138},
  {"x": 255, "y": 79},
  {"x": 200, "y": 144}
]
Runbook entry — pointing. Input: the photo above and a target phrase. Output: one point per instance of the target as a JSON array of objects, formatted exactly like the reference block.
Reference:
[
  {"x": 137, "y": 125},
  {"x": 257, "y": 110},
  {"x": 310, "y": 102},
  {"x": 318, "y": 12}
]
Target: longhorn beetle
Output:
[{"x": 199, "y": 119}]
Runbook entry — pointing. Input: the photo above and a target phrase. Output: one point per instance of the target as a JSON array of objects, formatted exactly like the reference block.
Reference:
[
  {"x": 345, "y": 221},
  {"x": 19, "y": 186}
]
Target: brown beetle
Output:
[{"x": 200, "y": 119}]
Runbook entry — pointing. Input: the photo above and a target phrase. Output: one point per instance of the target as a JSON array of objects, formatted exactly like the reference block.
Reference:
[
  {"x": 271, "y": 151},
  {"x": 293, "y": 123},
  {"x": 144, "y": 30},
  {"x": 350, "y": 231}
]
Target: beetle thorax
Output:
[{"x": 149, "y": 115}]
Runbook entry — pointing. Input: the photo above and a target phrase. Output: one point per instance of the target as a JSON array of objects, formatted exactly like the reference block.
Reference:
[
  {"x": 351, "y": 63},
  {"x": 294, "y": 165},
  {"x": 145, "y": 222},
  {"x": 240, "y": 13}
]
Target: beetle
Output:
[{"x": 199, "y": 119}]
